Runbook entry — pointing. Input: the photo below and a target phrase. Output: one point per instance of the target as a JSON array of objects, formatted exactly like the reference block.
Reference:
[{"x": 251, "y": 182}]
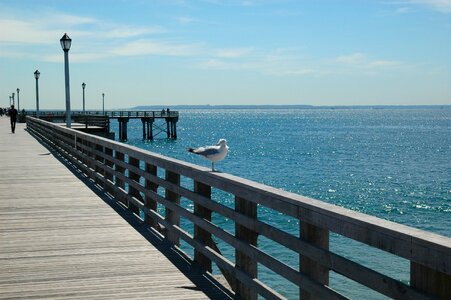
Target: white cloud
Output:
[
  {"x": 16, "y": 31},
  {"x": 353, "y": 59},
  {"x": 233, "y": 52},
  {"x": 361, "y": 60},
  {"x": 122, "y": 32},
  {"x": 403, "y": 10},
  {"x": 46, "y": 30},
  {"x": 186, "y": 20},
  {"x": 443, "y": 6},
  {"x": 149, "y": 47},
  {"x": 277, "y": 62},
  {"x": 383, "y": 63},
  {"x": 440, "y": 5}
]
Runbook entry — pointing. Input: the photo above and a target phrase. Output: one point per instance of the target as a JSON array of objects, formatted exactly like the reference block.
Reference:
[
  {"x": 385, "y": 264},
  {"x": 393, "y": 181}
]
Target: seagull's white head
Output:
[{"x": 222, "y": 142}]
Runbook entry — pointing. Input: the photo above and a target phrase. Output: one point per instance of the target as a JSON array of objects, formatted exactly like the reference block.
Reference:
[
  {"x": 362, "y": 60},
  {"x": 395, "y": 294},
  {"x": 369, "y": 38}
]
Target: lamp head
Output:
[
  {"x": 83, "y": 85},
  {"x": 36, "y": 74},
  {"x": 65, "y": 42}
]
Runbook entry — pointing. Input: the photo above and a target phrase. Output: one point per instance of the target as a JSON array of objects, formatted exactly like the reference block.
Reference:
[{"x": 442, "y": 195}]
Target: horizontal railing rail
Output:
[
  {"x": 159, "y": 187},
  {"x": 110, "y": 113}
]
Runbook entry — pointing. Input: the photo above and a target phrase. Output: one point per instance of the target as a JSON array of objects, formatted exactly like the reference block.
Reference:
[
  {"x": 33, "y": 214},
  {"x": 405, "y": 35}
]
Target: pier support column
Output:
[
  {"x": 123, "y": 128},
  {"x": 150, "y": 129},
  {"x": 171, "y": 124},
  {"x": 168, "y": 126},
  {"x": 144, "y": 122},
  {"x": 174, "y": 128},
  {"x": 147, "y": 123}
]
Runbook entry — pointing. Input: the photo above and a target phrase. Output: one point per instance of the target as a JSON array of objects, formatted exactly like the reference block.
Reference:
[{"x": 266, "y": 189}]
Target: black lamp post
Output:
[
  {"x": 36, "y": 76},
  {"x": 65, "y": 44},
  {"x": 83, "y": 85},
  {"x": 18, "y": 103},
  {"x": 103, "y": 103},
  {"x": 13, "y": 98}
]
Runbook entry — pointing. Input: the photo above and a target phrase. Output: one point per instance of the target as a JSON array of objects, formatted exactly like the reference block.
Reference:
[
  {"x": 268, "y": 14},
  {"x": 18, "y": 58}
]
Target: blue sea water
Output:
[{"x": 391, "y": 163}]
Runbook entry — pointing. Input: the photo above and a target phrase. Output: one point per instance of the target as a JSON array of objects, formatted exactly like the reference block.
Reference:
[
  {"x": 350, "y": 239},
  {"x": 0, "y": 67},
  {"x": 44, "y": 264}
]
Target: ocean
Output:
[{"x": 392, "y": 163}]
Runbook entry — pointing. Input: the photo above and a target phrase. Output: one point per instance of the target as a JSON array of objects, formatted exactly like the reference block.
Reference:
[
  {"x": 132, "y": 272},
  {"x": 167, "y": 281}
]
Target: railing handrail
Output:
[
  {"x": 427, "y": 252},
  {"x": 111, "y": 113}
]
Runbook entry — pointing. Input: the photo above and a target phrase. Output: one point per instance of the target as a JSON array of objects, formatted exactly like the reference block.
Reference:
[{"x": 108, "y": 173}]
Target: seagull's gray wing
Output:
[{"x": 206, "y": 151}]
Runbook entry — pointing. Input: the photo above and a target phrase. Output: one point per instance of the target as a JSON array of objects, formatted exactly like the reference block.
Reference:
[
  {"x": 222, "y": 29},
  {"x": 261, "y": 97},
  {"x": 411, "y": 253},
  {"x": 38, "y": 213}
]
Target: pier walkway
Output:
[{"x": 60, "y": 238}]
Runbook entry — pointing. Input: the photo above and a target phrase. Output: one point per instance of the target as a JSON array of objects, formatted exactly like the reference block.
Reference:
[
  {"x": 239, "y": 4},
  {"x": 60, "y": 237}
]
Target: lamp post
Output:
[
  {"x": 10, "y": 102},
  {"x": 36, "y": 76},
  {"x": 65, "y": 44},
  {"x": 103, "y": 103},
  {"x": 13, "y": 98},
  {"x": 83, "y": 85},
  {"x": 18, "y": 103}
]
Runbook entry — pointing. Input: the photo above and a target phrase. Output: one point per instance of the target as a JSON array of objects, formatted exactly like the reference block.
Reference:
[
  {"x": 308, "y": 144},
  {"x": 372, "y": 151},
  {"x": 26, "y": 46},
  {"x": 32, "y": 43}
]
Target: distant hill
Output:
[{"x": 178, "y": 107}]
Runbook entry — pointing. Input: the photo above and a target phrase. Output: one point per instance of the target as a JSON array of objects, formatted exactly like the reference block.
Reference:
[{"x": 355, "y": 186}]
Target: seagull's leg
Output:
[{"x": 213, "y": 166}]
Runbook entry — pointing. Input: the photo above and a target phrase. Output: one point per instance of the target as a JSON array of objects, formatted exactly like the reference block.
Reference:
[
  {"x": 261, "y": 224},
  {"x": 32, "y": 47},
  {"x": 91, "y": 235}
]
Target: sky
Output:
[{"x": 250, "y": 52}]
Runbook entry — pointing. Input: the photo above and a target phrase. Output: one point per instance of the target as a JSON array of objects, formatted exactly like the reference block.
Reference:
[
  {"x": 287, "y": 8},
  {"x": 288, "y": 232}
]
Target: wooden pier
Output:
[
  {"x": 61, "y": 237},
  {"x": 179, "y": 202},
  {"x": 150, "y": 126}
]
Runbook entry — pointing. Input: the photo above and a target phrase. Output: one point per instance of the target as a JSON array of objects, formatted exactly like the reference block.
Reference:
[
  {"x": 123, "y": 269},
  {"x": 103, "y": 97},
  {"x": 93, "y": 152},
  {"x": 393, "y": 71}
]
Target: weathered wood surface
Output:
[{"x": 59, "y": 239}]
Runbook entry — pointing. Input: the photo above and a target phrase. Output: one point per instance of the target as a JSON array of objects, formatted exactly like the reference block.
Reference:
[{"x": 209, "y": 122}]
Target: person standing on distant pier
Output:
[{"x": 13, "y": 118}]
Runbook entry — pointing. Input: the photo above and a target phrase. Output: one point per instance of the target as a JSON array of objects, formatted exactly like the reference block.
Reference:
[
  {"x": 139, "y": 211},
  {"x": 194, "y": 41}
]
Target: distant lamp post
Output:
[
  {"x": 18, "y": 103},
  {"x": 103, "y": 103},
  {"x": 65, "y": 44},
  {"x": 36, "y": 76},
  {"x": 83, "y": 85},
  {"x": 13, "y": 98},
  {"x": 10, "y": 102}
]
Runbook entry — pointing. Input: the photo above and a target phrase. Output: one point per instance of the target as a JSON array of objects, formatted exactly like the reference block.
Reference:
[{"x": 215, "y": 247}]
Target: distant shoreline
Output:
[{"x": 176, "y": 107}]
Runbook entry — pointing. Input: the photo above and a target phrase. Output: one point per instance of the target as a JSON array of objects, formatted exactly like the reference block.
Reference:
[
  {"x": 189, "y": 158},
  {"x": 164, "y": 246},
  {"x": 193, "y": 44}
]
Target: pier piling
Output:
[
  {"x": 123, "y": 128},
  {"x": 147, "y": 123}
]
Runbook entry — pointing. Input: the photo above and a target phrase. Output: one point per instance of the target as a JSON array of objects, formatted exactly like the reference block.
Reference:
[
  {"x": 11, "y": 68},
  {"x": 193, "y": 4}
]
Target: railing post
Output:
[
  {"x": 199, "y": 233},
  {"x": 90, "y": 156},
  {"x": 318, "y": 237},
  {"x": 171, "y": 216},
  {"x": 149, "y": 202},
  {"x": 118, "y": 181},
  {"x": 131, "y": 190},
  {"x": 108, "y": 173},
  {"x": 429, "y": 281},
  {"x": 99, "y": 159},
  {"x": 243, "y": 261}
]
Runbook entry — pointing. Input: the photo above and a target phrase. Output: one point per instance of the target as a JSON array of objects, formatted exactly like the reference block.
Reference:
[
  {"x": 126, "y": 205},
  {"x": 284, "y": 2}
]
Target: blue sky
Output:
[{"x": 227, "y": 52}]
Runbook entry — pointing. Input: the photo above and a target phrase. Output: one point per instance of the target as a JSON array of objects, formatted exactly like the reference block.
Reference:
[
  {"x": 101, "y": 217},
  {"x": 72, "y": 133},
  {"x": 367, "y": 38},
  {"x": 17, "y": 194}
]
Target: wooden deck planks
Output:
[{"x": 60, "y": 240}]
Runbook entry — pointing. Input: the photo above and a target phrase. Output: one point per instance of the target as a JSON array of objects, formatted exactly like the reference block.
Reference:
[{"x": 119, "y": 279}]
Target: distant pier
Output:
[{"x": 98, "y": 122}]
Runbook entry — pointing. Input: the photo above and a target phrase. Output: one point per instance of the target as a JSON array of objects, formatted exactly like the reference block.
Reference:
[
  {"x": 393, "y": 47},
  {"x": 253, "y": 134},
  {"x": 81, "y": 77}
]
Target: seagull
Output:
[{"x": 212, "y": 153}]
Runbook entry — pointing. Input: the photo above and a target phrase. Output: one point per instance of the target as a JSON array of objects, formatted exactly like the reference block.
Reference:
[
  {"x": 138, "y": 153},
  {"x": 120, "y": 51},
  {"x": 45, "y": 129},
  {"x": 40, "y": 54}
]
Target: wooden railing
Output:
[{"x": 156, "y": 186}]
